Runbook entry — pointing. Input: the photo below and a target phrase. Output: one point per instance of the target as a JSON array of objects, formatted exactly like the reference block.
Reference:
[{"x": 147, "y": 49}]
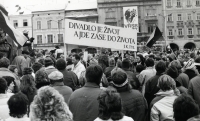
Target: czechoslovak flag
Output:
[{"x": 16, "y": 35}]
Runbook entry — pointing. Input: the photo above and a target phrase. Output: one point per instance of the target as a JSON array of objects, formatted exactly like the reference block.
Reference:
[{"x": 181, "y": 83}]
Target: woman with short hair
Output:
[
  {"x": 162, "y": 104},
  {"x": 110, "y": 107}
]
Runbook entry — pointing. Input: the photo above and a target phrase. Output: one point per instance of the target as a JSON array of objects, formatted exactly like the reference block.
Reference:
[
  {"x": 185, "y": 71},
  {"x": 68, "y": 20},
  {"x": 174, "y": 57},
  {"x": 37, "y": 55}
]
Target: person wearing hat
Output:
[
  {"x": 56, "y": 81},
  {"x": 22, "y": 61},
  {"x": 134, "y": 104},
  {"x": 190, "y": 69},
  {"x": 49, "y": 65}
]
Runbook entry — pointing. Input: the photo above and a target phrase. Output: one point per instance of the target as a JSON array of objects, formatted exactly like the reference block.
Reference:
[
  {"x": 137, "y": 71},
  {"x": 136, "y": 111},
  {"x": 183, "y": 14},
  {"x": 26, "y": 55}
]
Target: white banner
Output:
[
  {"x": 99, "y": 35},
  {"x": 130, "y": 15}
]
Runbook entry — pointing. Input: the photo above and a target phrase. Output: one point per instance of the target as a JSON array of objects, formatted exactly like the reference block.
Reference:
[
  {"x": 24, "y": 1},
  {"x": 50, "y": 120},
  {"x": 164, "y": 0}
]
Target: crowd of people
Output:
[{"x": 46, "y": 86}]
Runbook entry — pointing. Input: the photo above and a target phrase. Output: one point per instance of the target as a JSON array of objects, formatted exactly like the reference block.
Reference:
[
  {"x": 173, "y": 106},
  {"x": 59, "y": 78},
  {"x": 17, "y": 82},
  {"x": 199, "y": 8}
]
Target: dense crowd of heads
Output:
[{"x": 105, "y": 86}]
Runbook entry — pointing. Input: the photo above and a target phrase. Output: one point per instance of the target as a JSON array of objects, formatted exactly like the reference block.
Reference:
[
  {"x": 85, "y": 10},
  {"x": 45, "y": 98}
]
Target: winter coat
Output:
[
  {"x": 83, "y": 102},
  {"x": 162, "y": 106},
  {"x": 183, "y": 79},
  {"x": 194, "y": 89},
  {"x": 134, "y": 104}
]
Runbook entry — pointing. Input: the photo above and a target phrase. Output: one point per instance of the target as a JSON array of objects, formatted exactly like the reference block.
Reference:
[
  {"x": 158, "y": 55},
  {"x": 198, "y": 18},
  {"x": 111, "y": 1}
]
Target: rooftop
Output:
[{"x": 81, "y": 5}]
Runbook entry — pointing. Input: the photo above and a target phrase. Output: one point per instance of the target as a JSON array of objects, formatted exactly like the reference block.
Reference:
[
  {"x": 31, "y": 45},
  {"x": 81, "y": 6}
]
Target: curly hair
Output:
[
  {"x": 18, "y": 104},
  {"x": 110, "y": 105},
  {"x": 49, "y": 104},
  {"x": 4, "y": 62},
  {"x": 27, "y": 70}
]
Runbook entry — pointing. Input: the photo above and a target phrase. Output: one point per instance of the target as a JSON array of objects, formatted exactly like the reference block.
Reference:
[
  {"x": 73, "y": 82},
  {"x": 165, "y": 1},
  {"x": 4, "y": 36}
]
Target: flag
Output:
[
  {"x": 156, "y": 35},
  {"x": 16, "y": 35}
]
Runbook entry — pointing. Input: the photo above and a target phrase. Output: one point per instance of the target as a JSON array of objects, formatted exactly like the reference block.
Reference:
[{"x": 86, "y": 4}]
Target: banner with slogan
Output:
[
  {"x": 130, "y": 15},
  {"x": 99, "y": 35}
]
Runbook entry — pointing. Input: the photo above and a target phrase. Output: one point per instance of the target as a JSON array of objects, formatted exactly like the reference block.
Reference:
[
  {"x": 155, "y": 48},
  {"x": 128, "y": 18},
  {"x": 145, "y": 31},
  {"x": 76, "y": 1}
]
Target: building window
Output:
[
  {"x": 190, "y": 31},
  {"x": 151, "y": 27},
  {"x": 25, "y": 22},
  {"x": 111, "y": 23},
  {"x": 197, "y": 2},
  {"x": 169, "y": 17},
  {"x": 39, "y": 39},
  {"x": 38, "y": 24},
  {"x": 169, "y": 3},
  {"x": 198, "y": 31},
  {"x": 189, "y": 3},
  {"x": 180, "y": 31},
  {"x": 179, "y": 17},
  {"x": 198, "y": 16},
  {"x": 170, "y": 32},
  {"x": 49, "y": 24},
  {"x": 50, "y": 38},
  {"x": 189, "y": 16},
  {"x": 59, "y": 24},
  {"x": 110, "y": 14},
  {"x": 60, "y": 37},
  {"x": 178, "y": 3},
  {"x": 15, "y": 23}
]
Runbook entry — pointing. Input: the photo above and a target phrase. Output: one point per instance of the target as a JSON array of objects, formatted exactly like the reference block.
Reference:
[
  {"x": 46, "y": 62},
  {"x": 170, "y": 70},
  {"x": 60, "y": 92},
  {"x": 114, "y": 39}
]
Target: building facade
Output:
[
  {"x": 150, "y": 15},
  {"x": 48, "y": 27},
  {"x": 21, "y": 20},
  {"x": 182, "y": 19}
]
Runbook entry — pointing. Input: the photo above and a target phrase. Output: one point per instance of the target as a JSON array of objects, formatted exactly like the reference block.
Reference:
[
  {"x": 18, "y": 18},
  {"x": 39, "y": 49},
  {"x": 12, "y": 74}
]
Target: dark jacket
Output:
[
  {"x": 70, "y": 78},
  {"x": 65, "y": 91},
  {"x": 183, "y": 79},
  {"x": 194, "y": 89},
  {"x": 134, "y": 104},
  {"x": 191, "y": 73},
  {"x": 134, "y": 82},
  {"x": 108, "y": 70},
  {"x": 151, "y": 88},
  {"x": 83, "y": 102}
]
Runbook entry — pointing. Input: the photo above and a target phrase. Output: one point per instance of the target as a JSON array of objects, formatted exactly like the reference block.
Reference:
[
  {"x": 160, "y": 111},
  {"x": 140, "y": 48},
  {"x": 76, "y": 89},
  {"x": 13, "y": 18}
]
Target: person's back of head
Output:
[
  {"x": 139, "y": 68},
  {"x": 126, "y": 64},
  {"x": 184, "y": 107},
  {"x": 94, "y": 74},
  {"x": 192, "y": 55},
  {"x": 61, "y": 64},
  {"x": 18, "y": 105},
  {"x": 166, "y": 83},
  {"x": 36, "y": 66},
  {"x": 172, "y": 72},
  {"x": 41, "y": 79},
  {"x": 41, "y": 61},
  {"x": 197, "y": 61},
  {"x": 55, "y": 76},
  {"x": 48, "y": 62},
  {"x": 3, "y": 86},
  {"x": 161, "y": 67},
  {"x": 27, "y": 71},
  {"x": 50, "y": 103},
  {"x": 110, "y": 105},
  {"x": 4, "y": 62},
  {"x": 176, "y": 64},
  {"x": 149, "y": 62}
]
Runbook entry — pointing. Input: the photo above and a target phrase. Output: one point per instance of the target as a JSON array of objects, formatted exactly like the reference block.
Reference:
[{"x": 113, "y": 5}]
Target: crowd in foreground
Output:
[{"x": 148, "y": 87}]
